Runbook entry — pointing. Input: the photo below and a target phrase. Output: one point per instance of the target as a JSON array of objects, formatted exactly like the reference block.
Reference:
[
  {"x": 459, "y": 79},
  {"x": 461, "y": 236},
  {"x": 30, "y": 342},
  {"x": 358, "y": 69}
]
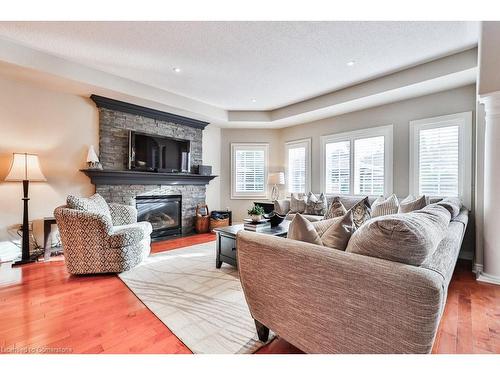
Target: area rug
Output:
[{"x": 203, "y": 306}]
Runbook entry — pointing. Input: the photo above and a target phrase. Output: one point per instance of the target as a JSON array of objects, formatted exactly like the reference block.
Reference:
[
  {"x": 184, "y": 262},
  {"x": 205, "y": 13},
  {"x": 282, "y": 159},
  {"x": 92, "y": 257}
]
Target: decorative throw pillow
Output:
[
  {"x": 361, "y": 212},
  {"x": 336, "y": 209},
  {"x": 334, "y": 233},
  {"x": 315, "y": 205},
  {"x": 339, "y": 232},
  {"x": 301, "y": 229},
  {"x": 387, "y": 206},
  {"x": 410, "y": 203},
  {"x": 409, "y": 238},
  {"x": 298, "y": 203},
  {"x": 95, "y": 204}
]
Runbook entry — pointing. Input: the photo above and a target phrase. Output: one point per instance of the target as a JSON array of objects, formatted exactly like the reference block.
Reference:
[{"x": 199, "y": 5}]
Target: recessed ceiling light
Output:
[
  {"x": 177, "y": 70},
  {"x": 254, "y": 100},
  {"x": 351, "y": 63}
]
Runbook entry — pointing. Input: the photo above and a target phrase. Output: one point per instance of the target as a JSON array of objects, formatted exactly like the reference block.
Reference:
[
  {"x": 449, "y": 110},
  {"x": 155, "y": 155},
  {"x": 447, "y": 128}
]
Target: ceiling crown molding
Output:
[{"x": 118, "y": 105}]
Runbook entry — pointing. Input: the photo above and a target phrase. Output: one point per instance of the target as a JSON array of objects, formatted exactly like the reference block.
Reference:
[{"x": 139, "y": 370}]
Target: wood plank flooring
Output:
[{"x": 43, "y": 309}]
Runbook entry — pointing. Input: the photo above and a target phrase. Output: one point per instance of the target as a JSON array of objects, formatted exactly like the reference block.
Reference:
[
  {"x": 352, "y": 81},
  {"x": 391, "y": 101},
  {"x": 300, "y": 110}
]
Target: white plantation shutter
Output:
[
  {"x": 249, "y": 170},
  {"x": 297, "y": 170},
  {"x": 438, "y": 161},
  {"x": 369, "y": 166},
  {"x": 358, "y": 162},
  {"x": 298, "y": 155},
  {"x": 337, "y": 173}
]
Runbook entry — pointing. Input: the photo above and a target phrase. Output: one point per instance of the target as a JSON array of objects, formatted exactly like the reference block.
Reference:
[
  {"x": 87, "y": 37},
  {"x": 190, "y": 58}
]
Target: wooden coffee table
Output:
[{"x": 226, "y": 251}]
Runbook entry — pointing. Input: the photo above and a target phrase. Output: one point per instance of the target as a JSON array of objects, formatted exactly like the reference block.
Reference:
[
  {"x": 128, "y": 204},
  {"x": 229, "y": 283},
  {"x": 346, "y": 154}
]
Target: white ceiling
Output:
[{"x": 227, "y": 64}]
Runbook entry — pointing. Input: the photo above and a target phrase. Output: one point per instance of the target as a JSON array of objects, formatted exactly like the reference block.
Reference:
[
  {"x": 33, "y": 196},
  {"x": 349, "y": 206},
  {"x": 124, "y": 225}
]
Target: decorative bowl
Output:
[{"x": 275, "y": 218}]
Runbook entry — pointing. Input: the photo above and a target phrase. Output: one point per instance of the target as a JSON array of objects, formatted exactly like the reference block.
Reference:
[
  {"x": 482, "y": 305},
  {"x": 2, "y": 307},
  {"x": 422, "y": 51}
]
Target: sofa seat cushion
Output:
[
  {"x": 125, "y": 235},
  {"x": 93, "y": 204},
  {"x": 406, "y": 238}
]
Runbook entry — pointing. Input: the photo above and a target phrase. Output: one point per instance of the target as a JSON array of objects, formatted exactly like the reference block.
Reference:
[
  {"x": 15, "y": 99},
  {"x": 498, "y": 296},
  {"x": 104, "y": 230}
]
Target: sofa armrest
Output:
[
  {"x": 282, "y": 206},
  {"x": 328, "y": 301},
  {"x": 122, "y": 214}
]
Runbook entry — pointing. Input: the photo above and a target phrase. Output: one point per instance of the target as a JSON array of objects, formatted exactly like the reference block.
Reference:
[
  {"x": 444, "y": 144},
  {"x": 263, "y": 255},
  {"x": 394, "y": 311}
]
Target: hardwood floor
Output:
[{"x": 44, "y": 308}]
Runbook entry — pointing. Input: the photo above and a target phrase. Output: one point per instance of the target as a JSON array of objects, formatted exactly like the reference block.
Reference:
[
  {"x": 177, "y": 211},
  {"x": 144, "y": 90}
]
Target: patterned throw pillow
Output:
[
  {"x": 315, "y": 205},
  {"x": 298, "y": 203},
  {"x": 95, "y": 204},
  {"x": 336, "y": 209},
  {"x": 361, "y": 212},
  {"x": 410, "y": 203},
  {"x": 387, "y": 206}
]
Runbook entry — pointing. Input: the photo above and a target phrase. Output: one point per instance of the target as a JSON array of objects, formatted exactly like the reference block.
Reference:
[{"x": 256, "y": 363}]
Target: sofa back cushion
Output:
[
  {"x": 406, "y": 238},
  {"x": 93, "y": 204},
  {"x": 301, "y": 229}
]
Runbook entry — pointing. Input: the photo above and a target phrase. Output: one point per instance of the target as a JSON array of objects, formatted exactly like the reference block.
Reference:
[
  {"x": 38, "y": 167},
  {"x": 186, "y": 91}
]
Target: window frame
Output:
[
  {"x": 249, "y": 146},
  {"x": 464, "y": 122},
  {"x": 386, "y": 131},
  {"x": 299, "y": 143}
]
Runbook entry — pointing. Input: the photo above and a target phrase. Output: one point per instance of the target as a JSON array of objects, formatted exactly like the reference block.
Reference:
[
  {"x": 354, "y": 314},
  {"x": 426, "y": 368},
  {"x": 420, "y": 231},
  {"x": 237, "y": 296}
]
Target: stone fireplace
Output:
[{"x": 117, "y": 184}]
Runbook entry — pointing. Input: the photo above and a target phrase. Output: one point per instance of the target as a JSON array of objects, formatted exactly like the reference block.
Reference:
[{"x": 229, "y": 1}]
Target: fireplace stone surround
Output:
[{"x": 115, "y": 122}]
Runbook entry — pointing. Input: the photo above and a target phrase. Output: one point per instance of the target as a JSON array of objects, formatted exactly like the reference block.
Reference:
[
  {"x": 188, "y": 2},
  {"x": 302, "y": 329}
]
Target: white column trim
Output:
[{"x": 491, "y": 103}]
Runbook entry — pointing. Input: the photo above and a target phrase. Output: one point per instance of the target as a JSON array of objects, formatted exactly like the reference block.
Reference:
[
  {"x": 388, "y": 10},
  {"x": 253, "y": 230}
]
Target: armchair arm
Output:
[
  {"x": 122, "y": 214},
  {"x": 125, "y": 237},
  {"x": 328, "y": 301}
]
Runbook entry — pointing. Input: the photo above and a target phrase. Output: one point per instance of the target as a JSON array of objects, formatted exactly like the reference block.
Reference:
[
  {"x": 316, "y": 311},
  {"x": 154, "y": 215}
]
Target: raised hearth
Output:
[{"x": 164, "y": 212}]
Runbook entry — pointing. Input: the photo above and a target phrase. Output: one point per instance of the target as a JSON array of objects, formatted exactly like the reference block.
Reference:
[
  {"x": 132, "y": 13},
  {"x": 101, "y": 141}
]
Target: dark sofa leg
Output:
[{"x": 262, "y": 331}]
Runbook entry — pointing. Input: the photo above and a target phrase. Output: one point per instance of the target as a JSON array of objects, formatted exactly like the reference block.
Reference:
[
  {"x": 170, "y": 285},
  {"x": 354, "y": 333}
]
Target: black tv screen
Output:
[{"x": 155, "y": 153}]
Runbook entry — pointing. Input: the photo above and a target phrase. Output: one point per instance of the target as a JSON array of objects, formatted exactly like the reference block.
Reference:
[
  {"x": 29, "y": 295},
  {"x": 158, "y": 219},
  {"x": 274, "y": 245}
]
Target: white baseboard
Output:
[
  {"x": 477, "y": 268},
  {"x": 485, "y": 278}
]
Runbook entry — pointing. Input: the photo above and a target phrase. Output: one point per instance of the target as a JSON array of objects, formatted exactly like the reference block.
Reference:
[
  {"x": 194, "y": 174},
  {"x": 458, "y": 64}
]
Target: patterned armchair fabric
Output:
[{"x": 98, "y": 242}]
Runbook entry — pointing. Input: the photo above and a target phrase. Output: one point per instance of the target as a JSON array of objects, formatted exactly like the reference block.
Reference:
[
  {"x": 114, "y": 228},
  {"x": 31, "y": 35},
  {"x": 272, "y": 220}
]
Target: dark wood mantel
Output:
[{"x": 114, "y": 177}]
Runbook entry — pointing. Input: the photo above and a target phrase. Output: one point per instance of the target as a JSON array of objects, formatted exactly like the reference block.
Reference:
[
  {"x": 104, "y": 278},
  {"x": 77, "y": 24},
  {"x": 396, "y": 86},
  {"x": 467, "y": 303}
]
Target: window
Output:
[
  {"x": 358, "y": 162},
  {"x": 298, "y": 166},
  {"x": 440, "y": 156},
  {"x": 249, "y": 170}
]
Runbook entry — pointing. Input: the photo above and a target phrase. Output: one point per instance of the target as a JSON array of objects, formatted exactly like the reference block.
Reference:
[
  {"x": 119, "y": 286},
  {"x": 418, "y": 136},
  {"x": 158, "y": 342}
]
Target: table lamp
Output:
[
  {"x": 275, "y": 179},
  {"x": 25, "y": 167}
]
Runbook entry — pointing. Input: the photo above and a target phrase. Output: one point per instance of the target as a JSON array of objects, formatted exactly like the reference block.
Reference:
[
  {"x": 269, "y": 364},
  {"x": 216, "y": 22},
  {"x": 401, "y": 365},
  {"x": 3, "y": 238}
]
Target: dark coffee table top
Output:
[{"x": 280, "y": 230}]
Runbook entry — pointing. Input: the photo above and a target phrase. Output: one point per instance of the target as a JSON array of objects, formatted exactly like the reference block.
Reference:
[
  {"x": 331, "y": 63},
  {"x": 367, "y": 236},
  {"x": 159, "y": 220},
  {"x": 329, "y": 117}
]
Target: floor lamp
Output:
[{"x": 25, "y": 167}]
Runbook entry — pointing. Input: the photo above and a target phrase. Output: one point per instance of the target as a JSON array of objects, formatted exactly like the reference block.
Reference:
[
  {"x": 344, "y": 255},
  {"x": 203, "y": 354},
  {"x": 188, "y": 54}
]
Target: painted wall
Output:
[
  {"x": 271, "y": 136},
  {"x": 398, "y": 114},
  {"x": 58, "y": 127}
]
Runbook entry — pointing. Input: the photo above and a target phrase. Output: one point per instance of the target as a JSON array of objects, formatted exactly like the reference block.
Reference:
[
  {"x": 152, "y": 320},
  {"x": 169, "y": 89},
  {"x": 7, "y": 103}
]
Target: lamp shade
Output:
[
  {"x": 25, "y": 167},
  {"x": 276, "y": 178}
]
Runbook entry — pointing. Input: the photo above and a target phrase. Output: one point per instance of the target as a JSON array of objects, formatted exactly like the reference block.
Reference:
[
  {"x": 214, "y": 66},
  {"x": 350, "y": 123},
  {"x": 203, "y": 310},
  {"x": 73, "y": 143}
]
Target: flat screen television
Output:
[{"x": 154, "y": 153}]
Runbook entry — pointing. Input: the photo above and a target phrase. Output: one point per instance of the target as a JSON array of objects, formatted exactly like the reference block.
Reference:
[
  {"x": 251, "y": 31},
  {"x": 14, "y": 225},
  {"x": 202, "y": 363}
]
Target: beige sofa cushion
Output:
[
  {"x": 406, "y": 238},
  {"x": 453, "y": 205},
  {"x": 301, "y": 229},
  {"x": 385, "y": 206},
  {"x": 298, "y": 203},
  {"x": 410, "y": 203}
]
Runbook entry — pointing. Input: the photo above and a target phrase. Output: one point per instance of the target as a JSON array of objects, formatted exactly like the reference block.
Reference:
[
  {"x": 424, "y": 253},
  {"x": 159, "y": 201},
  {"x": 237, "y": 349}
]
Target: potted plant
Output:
[{"x": 256, "y": 213}]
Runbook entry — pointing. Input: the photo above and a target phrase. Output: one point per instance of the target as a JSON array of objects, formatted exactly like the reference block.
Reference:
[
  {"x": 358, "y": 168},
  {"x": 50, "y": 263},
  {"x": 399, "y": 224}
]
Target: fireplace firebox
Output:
[{"x": 164, "y": 212}]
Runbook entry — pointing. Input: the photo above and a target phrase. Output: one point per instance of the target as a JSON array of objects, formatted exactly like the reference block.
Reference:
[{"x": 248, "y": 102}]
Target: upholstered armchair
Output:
[{"x": 101, "y": 238}]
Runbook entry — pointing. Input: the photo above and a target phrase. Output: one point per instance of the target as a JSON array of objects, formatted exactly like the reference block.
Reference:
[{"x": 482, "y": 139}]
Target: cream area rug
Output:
[{"x": 203, "y": 306}]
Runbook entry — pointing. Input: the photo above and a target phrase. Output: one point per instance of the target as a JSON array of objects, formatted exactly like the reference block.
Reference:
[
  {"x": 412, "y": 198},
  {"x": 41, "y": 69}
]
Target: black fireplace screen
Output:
[{"x": 164, "y": 212}]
